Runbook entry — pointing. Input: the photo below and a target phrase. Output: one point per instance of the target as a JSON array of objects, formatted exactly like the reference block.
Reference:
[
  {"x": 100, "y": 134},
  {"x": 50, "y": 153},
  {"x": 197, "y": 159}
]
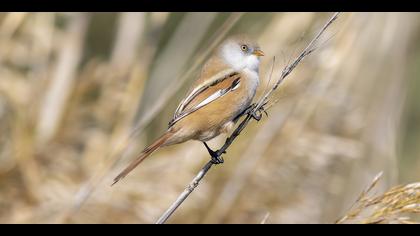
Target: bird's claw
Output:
[
  {"x": 257, "y": 115},
  {"x": 216, "y": 159},
  {"x": 215, "y": 155}
]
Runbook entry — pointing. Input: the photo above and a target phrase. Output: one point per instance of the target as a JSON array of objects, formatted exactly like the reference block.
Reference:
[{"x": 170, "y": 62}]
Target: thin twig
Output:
[
  {"x": 289, "y": 68},
  {"x": 264, "y": 220},
  {"x": 194, "y": 183},
  {"x": 255, "y": 109}
]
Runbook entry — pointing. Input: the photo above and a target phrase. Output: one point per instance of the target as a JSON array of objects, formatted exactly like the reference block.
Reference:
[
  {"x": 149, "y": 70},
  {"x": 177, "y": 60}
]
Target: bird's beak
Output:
[{"x": 258, "y": 53}]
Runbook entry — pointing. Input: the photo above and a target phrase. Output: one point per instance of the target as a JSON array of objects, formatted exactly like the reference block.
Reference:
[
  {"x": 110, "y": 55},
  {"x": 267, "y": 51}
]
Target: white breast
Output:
[{"x": 253, "y": 81}]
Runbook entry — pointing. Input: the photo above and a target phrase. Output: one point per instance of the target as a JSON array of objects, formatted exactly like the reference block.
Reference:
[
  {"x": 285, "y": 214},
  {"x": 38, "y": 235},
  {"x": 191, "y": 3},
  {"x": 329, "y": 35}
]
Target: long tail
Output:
[{"x": 143, "y": 155}]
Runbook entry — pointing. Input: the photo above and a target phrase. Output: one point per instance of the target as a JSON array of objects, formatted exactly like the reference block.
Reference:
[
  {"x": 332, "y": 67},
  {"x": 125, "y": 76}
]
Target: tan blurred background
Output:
[{"x": 75, "y": 86}]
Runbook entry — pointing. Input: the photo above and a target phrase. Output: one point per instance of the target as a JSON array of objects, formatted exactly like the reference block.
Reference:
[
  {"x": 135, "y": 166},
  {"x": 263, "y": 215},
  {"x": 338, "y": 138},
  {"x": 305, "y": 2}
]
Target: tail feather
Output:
[{"x": 143, "y": 155}]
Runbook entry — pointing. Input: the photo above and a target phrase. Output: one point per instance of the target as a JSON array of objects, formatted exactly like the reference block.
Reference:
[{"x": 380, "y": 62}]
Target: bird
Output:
[{"x": 222, "y": 92}]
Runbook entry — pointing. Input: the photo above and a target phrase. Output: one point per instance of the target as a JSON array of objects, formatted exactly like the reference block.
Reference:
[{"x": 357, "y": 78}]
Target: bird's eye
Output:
[{"x": 244, "y": 48}]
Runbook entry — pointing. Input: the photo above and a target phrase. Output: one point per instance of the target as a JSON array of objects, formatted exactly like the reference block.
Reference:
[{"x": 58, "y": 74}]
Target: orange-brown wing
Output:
[
  {"x": 205, "y": 94},
  {"x": 201, "y": 86}
]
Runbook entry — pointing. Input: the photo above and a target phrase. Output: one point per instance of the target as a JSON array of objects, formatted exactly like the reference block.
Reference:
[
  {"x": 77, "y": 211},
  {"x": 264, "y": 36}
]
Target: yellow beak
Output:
[{"x": 258, "y": 53}]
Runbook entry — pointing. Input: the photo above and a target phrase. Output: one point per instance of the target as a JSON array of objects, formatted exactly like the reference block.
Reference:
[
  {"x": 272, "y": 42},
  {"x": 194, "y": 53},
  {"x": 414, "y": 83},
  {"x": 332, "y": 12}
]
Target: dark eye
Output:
[{"x": 244, "y": 48}]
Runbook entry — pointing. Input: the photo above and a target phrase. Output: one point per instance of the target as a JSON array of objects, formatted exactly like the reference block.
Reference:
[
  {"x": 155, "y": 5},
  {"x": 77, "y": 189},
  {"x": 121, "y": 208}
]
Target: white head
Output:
[{"x": 240, "y": 52}]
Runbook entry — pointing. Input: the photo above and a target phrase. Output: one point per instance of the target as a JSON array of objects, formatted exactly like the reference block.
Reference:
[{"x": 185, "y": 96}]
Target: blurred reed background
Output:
[{"x": 75, "y": 86}]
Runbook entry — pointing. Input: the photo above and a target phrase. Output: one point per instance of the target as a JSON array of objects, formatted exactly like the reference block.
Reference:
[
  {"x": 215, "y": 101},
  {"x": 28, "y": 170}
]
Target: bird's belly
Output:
[
  {"x": 207, "y": 135},
  {"x": 212, "y": 133}
]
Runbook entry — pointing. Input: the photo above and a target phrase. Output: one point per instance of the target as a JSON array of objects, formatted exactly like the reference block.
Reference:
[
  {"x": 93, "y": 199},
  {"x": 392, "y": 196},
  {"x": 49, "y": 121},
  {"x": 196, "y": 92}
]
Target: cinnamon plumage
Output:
[{"x": 223, "y": 90}]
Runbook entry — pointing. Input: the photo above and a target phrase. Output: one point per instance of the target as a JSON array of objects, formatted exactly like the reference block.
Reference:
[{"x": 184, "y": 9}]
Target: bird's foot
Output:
[
  {"x": 216, "y": 158},
  {"x": 257, "y": 115}
]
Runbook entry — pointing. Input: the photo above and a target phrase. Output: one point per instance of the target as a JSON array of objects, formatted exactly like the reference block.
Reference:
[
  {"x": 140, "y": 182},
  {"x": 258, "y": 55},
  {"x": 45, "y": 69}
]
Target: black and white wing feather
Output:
[{"x": 182, "y": 111}]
